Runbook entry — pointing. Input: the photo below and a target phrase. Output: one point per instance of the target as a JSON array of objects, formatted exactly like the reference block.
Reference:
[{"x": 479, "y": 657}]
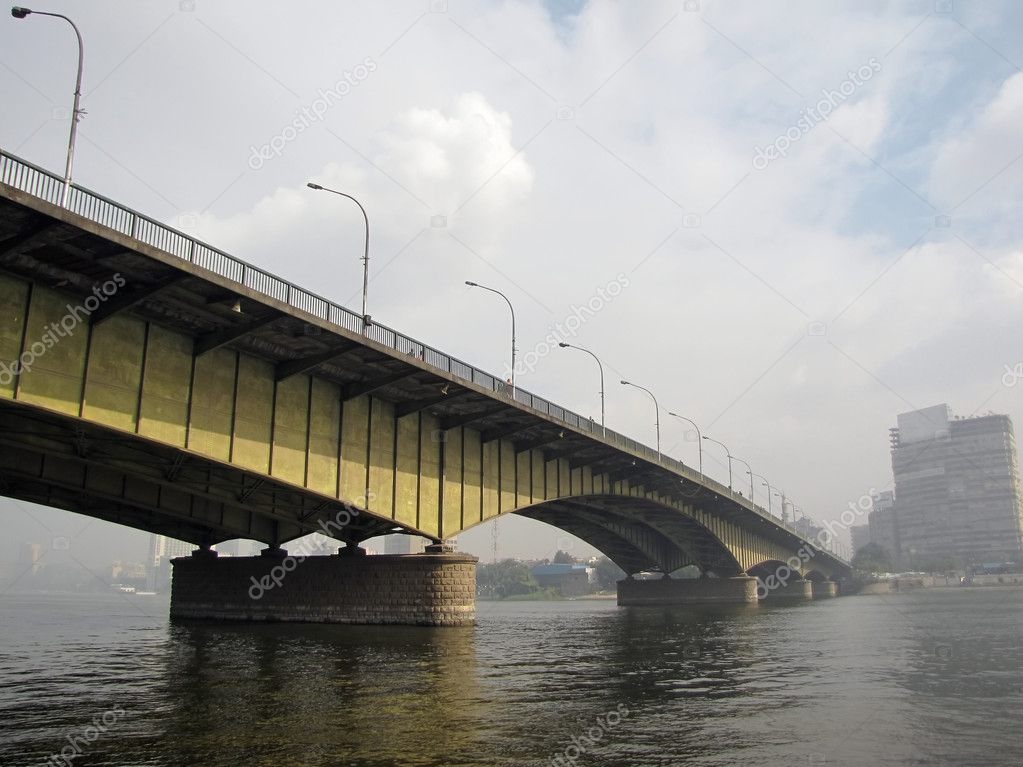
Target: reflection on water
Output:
[{"x": 931, "y": 677}]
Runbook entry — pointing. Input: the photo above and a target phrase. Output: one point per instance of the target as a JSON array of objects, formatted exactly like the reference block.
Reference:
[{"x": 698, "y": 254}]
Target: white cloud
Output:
[{"x": 984, "y": 153}]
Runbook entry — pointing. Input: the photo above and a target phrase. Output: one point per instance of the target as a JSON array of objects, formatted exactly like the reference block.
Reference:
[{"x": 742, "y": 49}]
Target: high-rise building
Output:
[
  {"x": 881, "y": 523},
  {"x": 161, "y": 551},
  {"x": 957, "y": 489},
  {"x": 29, "y": 556},
  {"x": 859, "y": 536},
  {"x": 404, "y": 544}
]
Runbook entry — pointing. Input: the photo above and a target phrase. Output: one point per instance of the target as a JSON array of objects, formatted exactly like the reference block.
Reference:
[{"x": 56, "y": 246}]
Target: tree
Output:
[
  {"x": 872, "y": 558},
  {"x": 504, "y": 579},
  {"x": 563, "y": 558},
  {"x": 607, "y": 574}
]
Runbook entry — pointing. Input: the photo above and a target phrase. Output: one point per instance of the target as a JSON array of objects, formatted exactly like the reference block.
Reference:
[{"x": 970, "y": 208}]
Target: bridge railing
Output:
[{"x": 31, "y": 179}]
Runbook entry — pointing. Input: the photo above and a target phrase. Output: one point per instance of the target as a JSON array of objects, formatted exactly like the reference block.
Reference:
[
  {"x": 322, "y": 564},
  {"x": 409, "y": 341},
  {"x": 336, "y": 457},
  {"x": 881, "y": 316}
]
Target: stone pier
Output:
[
  {"x": 695, "y": 591},
  {"x": 824, "y": 589},
  {"x": 792, "y": 591},
  {"x": 433, "y": 589}
]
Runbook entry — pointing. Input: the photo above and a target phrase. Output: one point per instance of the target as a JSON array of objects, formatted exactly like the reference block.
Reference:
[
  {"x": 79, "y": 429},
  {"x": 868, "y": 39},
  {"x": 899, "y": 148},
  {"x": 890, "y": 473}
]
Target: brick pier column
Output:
[
  {"x": 432, "y": 589},
  {"x": 824, "y": 589}
]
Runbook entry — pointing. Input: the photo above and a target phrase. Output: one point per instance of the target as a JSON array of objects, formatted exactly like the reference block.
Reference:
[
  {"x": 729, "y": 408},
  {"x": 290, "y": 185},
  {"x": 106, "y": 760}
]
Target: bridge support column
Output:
[
  {"x": 434, "y": 589},
  {"x": 824, "y": 589},
  {"x": 791, "y": 591},
  {"x": 696, "y": 591}
]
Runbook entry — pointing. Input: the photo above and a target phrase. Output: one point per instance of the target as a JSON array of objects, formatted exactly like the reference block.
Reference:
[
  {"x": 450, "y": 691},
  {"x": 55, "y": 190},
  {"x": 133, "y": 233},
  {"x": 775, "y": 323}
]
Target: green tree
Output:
[
  {"x": 872, "y": 558},
  {"x": 607, "y": 574},
  {"x": 563, "y": 558},
  {"x": 504, "y": 579}
]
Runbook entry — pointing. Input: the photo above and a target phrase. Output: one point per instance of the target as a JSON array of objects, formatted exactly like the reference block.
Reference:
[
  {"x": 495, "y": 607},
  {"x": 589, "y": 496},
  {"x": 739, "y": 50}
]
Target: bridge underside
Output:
[
  {"x": 638, "y": 534},
  {"x": 202, "y": 402},
  {"x": 83, "y": 467},
  {"x": 49, "y": 459}
]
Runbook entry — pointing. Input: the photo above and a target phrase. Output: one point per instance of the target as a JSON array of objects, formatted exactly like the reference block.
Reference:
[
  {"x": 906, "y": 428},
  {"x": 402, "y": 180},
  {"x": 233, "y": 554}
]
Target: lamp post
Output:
[
  {"x": 783, "y": 502},
  {"x": 699, "y": 436},
  {"x": 600, "y": 367},
  {"x": 657, "y": 414},
  {"x": 365, "y": 255},
  {"x": 512, "y": 310},
  {"x": 749, "y": 470},
  {"x": 76, "y": 112},
  {"x": 770, "y": 490},
  {"x": 716, "y": 442},
  {"x": 768, "y": 484}
]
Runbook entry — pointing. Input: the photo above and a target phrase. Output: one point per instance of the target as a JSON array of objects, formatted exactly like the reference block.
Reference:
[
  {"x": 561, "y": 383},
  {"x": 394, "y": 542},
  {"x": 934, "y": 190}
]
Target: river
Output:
[{"x": 932, "y": 677}]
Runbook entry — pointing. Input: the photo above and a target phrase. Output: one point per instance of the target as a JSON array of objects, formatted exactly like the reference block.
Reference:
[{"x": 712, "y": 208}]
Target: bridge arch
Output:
[
  {"x": 772, "y": 567},
  {"x": 637, "y": 534}
]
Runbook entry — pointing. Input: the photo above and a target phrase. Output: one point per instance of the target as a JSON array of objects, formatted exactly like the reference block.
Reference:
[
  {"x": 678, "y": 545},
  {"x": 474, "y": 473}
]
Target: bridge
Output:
[{"x": 151, "y": 380}]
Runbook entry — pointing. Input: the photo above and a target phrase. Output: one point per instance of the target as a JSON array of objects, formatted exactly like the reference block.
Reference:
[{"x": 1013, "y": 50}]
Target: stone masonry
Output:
[{"x": 413, "y": 589}]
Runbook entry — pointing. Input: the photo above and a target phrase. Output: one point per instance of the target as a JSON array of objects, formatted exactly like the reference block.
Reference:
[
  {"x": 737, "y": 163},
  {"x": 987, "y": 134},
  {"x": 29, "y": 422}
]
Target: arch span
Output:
[{"x": 637, "y": 534}]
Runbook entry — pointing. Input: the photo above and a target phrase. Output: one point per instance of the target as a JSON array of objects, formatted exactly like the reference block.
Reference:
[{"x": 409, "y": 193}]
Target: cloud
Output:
[
  {"x": 984, "y": 153},
  {"x": 464, "y": 156}
]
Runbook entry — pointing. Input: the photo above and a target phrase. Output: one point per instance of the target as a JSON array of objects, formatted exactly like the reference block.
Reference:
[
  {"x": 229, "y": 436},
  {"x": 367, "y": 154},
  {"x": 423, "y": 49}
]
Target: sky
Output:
[{"x": 810, "y": 210}]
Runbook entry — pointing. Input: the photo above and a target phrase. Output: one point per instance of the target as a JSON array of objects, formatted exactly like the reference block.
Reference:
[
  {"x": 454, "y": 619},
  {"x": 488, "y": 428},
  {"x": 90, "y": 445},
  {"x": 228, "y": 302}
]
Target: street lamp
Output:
[
  {"x": 749, "y": 470},
  {"x": 657, "y": 414},
  {"x": 365, "y": 255},
  {"x": 512, "y": 310},
  {"x": 699, "y": 436},
  {"x": 716, "y": 442},
  {"x": 768, "y": 484},
  {"x": 563, "y": 345},
  {"x": 770, "y": 492},
  {"x": 76, "y": 112},
  {"x": 783, "y": 502}
]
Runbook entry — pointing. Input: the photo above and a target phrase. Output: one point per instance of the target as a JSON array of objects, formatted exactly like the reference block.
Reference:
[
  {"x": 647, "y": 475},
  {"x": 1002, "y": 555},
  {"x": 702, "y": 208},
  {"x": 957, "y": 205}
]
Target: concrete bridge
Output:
[{"x": 153, "y": 381}]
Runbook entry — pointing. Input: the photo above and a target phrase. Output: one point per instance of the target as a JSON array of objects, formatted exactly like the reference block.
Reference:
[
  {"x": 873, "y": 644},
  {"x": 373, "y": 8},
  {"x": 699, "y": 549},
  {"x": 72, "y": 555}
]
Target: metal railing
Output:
[{"x": 33, "y": 180}]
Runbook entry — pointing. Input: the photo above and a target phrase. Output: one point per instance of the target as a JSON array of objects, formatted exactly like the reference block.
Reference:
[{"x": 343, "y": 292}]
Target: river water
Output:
[{"x": 932, "y": 677}]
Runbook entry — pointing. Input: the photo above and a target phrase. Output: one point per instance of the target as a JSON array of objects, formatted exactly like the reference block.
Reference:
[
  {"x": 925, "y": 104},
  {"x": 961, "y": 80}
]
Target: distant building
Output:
[
  {"x": 161, "y": 551},
  {"x": 881, "y": 523},
  {"x": 230, "y": 548},
  {"x": 404, "y": 544},
  {"x": 126, "y": 571},
  {"x": 860, "y": 536},
  {"x": 570, "y": 580},
  {"x": 810, "y": 531},
  {"x": 29, "y": 555},
  {"x": 957, "y": 489}
]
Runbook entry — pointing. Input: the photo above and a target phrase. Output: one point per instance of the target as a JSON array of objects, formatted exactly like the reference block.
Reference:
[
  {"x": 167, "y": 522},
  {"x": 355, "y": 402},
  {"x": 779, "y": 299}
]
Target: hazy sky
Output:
[{"x": 812, "y": 204}]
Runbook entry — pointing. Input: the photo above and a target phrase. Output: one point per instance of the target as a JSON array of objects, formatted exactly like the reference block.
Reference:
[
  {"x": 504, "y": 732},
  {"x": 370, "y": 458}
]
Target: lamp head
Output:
[
  {"x": 704, "y": 437},
  {"x": 471, "y": 284},
  {"x": 626, "y": 383},
  {"x": 563, "y": 345},
  {"x": 19, "y": 13},
  {"x": 311, "y": 185}
]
